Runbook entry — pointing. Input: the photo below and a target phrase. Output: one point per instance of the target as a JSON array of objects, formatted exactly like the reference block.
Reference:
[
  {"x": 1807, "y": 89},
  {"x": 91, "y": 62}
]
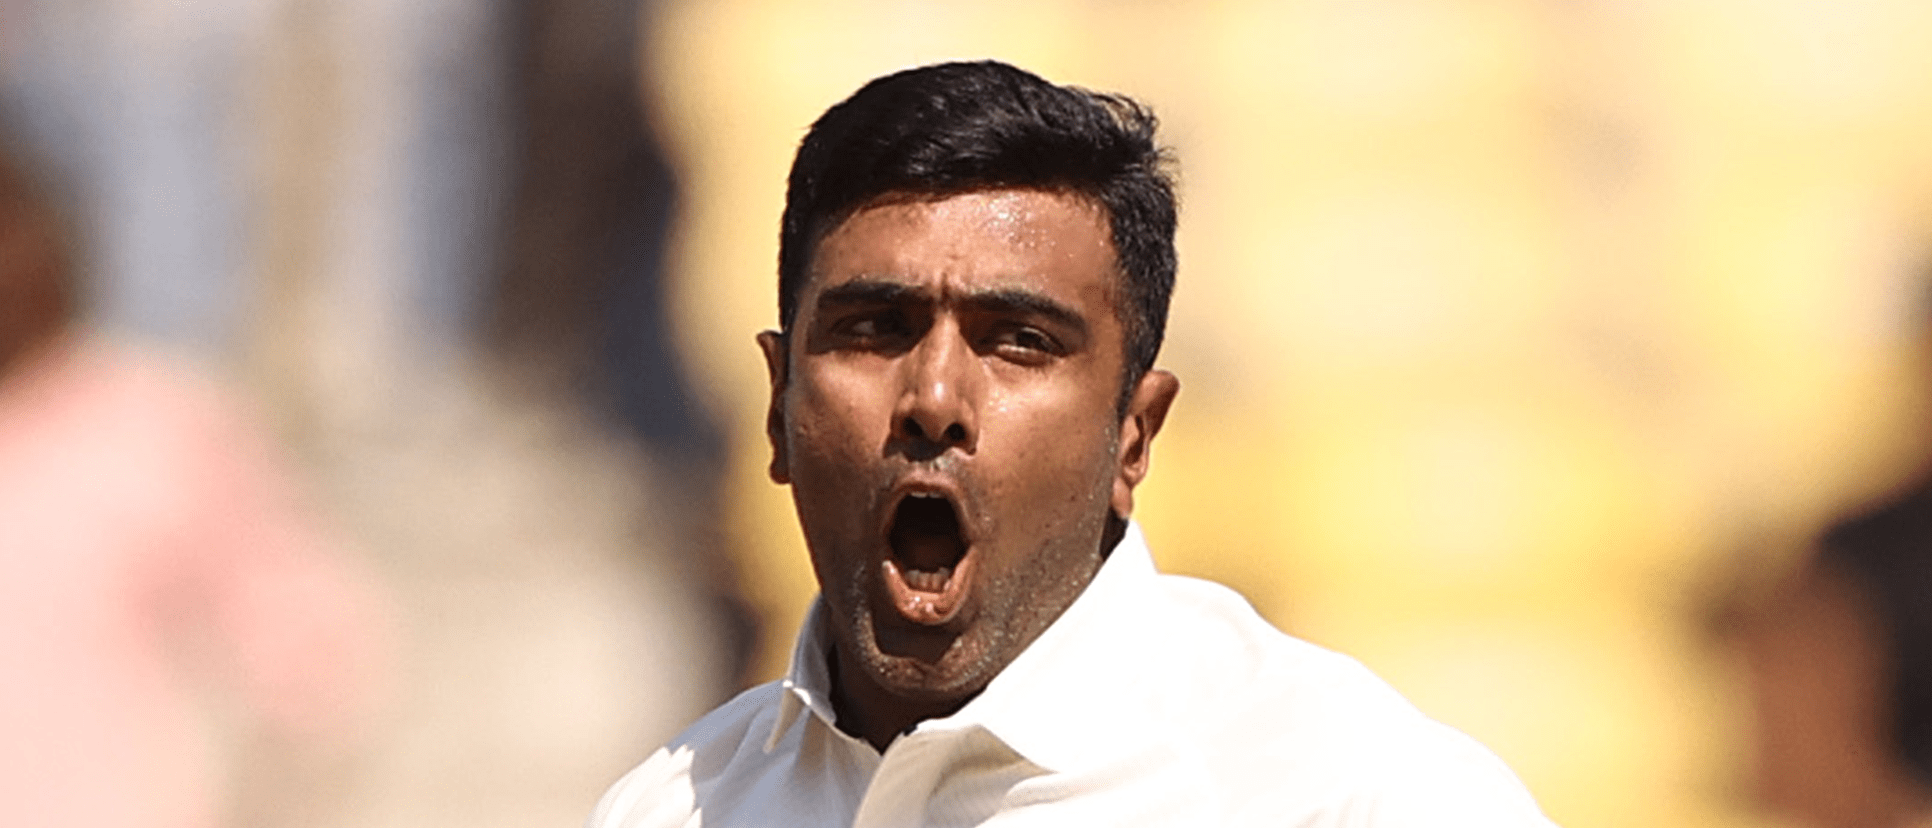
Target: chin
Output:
[{"x": 952, "y": 671}]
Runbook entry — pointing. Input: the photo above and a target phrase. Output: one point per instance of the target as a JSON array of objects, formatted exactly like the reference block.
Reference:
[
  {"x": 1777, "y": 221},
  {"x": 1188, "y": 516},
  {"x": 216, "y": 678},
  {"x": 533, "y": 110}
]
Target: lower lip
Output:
[{"x": 930, "y": 609}]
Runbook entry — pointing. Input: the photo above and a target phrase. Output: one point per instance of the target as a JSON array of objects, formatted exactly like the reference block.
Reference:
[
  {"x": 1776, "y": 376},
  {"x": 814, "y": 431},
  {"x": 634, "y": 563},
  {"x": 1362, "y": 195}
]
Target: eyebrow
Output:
[
  {"x": 1009, "y": 300},
  {"x": 863, "y": 291},
  {"x": 866, "y": 291}
]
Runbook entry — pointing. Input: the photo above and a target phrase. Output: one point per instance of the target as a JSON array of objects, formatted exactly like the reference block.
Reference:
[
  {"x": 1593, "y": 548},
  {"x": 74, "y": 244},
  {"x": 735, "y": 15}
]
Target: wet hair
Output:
[{"x": 954, "y": 128}]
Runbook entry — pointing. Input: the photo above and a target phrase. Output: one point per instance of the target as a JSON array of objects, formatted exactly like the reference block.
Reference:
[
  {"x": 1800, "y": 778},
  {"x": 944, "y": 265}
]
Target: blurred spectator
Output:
[
  {"x": 1840, "y": 660},
  {"x": 580, "y": 303},
  {"x": 158, "y": 583},
  {"x": 313, "y": 198}
]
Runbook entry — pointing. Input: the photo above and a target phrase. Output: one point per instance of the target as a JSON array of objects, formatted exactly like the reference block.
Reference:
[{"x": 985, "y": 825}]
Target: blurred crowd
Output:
[
  {"x": 346, "y": 475},
  {"x": 380, "y": 420}
]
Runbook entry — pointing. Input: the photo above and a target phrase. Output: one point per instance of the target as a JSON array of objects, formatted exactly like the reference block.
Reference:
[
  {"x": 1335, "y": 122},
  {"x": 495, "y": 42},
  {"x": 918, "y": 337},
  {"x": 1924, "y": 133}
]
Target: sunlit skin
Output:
[{"x": 965, "y": 350}]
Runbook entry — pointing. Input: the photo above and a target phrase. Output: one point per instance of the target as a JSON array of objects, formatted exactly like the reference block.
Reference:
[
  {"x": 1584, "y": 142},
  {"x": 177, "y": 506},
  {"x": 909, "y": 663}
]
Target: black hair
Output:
[{"x": 959, "y": 127}]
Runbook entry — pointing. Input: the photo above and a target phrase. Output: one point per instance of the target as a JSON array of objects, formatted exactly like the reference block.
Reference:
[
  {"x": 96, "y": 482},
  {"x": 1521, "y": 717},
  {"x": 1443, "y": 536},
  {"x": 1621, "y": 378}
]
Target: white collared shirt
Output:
[{"x": 1154, "y": 700}]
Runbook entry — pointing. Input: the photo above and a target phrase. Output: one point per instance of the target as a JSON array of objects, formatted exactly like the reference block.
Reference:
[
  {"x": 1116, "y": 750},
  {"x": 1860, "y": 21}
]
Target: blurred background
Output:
[{"x": 1527, "y": 350}]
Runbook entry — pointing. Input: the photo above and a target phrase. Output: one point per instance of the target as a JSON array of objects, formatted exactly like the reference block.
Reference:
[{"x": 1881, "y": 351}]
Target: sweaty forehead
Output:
[
  {"x": 1018, "y": 216},
  {"x": 1023, "y": 235}
]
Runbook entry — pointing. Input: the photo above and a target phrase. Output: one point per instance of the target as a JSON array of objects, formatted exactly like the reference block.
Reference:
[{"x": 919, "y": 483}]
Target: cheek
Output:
[
  {"x": 1063, "y": 450},
  {"x": 834, "y": 439},
  {"x": 834, "y": 417}
]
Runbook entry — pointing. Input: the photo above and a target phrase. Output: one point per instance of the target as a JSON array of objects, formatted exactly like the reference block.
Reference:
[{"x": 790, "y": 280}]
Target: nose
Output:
[{"x": 939, "y": 406}]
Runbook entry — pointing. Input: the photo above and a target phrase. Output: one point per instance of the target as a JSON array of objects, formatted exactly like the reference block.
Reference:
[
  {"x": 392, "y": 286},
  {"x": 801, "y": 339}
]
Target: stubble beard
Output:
[{"x": 1031, "y": 597}]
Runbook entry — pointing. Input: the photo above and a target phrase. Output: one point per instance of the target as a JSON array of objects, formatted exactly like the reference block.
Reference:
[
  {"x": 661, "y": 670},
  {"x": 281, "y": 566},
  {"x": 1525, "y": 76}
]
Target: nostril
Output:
[
  {"x": 956, "y": 433},
  {"x": 913, "y": 430}
]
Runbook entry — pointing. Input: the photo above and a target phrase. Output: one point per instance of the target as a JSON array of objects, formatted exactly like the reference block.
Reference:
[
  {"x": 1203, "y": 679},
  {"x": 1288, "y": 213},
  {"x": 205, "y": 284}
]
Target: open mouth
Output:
[{"x": 929, "y": 549}]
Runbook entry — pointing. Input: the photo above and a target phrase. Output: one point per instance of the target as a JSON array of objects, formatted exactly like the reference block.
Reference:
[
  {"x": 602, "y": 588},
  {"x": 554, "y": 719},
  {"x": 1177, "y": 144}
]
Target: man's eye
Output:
[
  {"x": 1025, "y": 344},
  {"x": 872, "y": 327}
]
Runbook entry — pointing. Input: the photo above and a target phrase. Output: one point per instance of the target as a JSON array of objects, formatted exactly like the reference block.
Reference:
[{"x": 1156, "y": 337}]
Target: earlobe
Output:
[
  {"x": 777, "y": 365},
  {"x": 1146, "y": 413}
]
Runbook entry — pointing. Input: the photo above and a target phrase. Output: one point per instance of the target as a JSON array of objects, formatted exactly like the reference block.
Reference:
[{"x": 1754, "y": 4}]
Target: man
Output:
[{"x": 974, "y": 271}]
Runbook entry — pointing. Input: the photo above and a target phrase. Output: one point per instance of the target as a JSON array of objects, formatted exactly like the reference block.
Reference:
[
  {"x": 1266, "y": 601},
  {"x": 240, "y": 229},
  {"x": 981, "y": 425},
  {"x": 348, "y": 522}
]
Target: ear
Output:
[
  {"x": 1146, "y": 412},
  {"x": 777, "y": 366}
]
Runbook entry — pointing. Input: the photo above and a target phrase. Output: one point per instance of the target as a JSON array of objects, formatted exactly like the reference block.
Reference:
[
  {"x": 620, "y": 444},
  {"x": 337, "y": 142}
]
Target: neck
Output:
[{"x": 870, "y": 712}]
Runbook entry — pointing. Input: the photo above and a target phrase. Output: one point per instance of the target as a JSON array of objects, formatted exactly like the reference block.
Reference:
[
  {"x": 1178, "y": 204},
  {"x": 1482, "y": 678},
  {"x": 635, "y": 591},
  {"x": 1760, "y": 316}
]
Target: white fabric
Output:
[{"x": 1154, "y": 700}]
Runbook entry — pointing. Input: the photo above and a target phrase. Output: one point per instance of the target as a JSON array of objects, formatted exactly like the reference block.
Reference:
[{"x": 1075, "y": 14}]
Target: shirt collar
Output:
[
  {"x": 1059, "y": 704},
  {"x": 808, "y": 684}
]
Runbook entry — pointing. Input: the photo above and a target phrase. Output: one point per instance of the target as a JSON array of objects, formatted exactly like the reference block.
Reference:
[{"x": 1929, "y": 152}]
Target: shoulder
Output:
[
  {"x": 1210, "y": 633},
  {"x": 1311, "y": 732},
  {"x": 1439, "y": 780},
  {"x": 663, "y": 791}
]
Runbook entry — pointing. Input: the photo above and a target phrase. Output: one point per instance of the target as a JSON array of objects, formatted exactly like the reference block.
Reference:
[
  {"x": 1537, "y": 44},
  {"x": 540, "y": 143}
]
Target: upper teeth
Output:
[{"x": 926, "y": 495}]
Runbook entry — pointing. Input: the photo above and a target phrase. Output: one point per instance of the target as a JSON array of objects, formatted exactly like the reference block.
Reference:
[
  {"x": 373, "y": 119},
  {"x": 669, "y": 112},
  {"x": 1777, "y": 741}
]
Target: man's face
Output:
[{"x": 944, "y": 410}]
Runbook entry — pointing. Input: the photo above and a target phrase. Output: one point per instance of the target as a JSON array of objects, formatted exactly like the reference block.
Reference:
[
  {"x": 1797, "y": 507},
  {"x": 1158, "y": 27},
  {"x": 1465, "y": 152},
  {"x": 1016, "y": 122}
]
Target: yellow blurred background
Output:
[
  {"x": 1521, "y": 342},
  {"x": 1517, "y": 339}
]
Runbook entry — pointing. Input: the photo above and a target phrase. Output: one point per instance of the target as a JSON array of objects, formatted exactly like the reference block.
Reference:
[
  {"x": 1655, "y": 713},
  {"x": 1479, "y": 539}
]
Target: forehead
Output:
[{"x": 1054, "y": 244}]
